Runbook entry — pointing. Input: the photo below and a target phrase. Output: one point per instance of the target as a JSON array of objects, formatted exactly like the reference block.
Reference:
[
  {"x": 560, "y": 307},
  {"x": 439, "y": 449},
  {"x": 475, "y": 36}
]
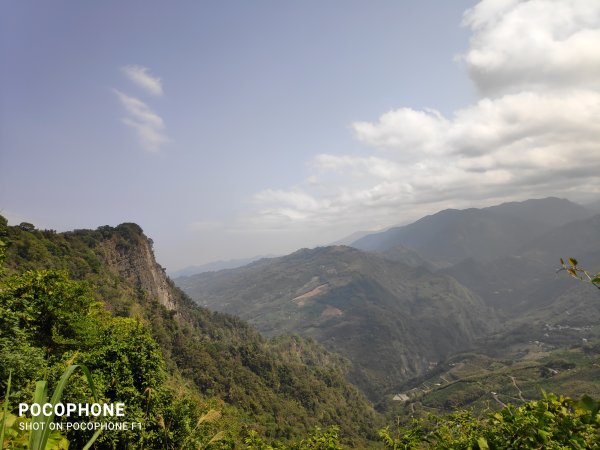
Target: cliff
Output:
[
  {"x": 132, "y": 259},
  {"x": 282, "y": 388}
]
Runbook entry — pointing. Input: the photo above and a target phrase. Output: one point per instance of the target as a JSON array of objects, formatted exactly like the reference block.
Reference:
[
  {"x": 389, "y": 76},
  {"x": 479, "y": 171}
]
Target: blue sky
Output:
[{"x": 229, "y": 129}]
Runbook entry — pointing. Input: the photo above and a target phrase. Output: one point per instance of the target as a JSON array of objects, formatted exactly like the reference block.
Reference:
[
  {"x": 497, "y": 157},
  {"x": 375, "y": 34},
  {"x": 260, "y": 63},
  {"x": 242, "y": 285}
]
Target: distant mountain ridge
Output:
[
  {"x": 450, "y": 236},
  {"x": 404, "y": 292},
  {"x": 215, "y": 266},
  {"x": 392, "y": 321},
  {"x": 507, "y": 254},
  {"x": 526, "y": 281}
]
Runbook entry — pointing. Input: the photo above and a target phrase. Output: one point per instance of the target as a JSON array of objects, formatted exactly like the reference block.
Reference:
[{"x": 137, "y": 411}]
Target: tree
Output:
[{"x": 26, "y": 226}]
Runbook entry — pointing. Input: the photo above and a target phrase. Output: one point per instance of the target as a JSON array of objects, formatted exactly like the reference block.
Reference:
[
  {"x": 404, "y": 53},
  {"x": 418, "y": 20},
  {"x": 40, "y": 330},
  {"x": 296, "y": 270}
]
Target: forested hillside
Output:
[
  {"x": 97, "y": 297},
  {"x": 391, "y": 320},
  {"x": 201, "y": 379},
  {"x": 487, "y": 297}
]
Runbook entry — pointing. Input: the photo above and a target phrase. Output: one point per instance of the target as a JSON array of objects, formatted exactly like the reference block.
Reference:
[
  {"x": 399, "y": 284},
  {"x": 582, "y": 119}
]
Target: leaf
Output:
[
  {"x": 92, "y": 439},
  {"x": 573, "y": 262},
  {"x": 39, "y": 438},
  {"x": 217, "y": 437},
  {"x": 5, "y": 414},
  {"x": 589, "y": 404},
  {"x": 483, "y": 443},
  {"x": 210, "y": 416},
  {"x": 36, "y": 440}
]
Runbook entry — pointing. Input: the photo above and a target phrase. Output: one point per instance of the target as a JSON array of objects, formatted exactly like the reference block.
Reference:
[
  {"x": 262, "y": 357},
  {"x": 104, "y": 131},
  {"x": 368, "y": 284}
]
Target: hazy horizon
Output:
[{"x": 232, "y": 130}]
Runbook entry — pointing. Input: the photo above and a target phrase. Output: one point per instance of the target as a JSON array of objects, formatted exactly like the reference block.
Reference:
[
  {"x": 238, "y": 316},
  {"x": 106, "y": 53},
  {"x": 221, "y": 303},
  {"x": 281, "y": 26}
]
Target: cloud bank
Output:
[{"x": 535, "y": 130}]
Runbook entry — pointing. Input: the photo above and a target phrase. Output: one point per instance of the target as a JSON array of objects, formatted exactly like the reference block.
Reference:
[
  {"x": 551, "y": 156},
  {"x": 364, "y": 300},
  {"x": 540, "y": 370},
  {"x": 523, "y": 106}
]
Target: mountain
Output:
[
  {"x": 578, "y": 237},
  {"x": 402, "y": 254},
  {"x": 594, "y": 206},
  {"x": 451, "y": 236},
  {"x": 545, "y": 213},
  {"x": 214, "y": 266},
  {"x": 352, "y": 302},
  {"x": 549, "y": 335},
  {"x": 392, "y": 321},
  {"x": 528, "y": 280},
  {"x": 348, "y": 240},
  {"x": 282, "y": 388}
]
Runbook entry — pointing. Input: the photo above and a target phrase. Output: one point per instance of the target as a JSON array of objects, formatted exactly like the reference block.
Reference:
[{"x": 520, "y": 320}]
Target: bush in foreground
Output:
[{"x": 551, "y": 423}]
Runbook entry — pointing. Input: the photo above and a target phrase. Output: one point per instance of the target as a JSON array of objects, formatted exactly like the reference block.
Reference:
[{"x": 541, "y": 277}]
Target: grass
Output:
[
  {"x": 40, "y": 435},
  {"x": 5, "y": 412}
]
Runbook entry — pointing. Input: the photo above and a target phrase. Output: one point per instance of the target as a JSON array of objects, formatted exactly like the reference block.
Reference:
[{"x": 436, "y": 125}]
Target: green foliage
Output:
[
  {"x": 48, "y": 307},
  {"x": 352, "y": 303},
  {"x": 579, "y": 273},
  {"x": 26, "y": 226},
  {"x": 43, "y": 314},
  {"x": 317, "y": 440},
  {"x": 38, "y": 438},
  {"x": 18, "y": 435},
  {"x": 84, "y": 297},
  {"x": 5, "y": 410},
  {"x": 48, "y": 319},
  {"x": 551, "y": 423}
]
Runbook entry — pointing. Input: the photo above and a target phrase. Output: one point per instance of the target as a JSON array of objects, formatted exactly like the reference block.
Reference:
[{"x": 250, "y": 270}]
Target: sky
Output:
[{"x": 228, "y": 129}]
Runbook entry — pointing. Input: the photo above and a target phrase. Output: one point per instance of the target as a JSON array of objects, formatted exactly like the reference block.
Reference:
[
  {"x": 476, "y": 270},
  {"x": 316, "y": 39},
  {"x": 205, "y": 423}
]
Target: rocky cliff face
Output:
[{"x": 132, "y": 258}]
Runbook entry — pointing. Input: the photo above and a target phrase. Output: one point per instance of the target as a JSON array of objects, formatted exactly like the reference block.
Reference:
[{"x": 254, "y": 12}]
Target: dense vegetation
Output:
[
  {"x": 356, "y": 304},
  {"x": 198, "y": 379},
  {"x": 550, "y": 423},
  {"x": 476, "y": 280},
  {"x": 170, "y": 366}
]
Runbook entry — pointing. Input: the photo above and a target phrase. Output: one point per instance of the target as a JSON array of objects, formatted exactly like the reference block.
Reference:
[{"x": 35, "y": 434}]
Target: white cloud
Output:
[
  {"x": 149, "y": 126},
  {"x": 534, "y": 132},
  {"x": 141, "y": 77},
  {"x": 535, "y": 44},
  {"x": 404, "y": 128}
]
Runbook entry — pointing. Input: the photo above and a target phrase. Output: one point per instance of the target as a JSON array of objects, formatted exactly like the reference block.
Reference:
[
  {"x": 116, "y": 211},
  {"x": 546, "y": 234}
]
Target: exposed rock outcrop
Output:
[{"x": 132, "y": 258}]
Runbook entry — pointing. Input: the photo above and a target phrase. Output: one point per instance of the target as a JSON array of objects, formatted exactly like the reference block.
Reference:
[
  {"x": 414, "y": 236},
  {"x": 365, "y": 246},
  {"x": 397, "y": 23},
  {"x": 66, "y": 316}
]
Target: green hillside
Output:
[
  {"x": 413, "y": 340},
  {"x": 516, "y": 374},
  {"x": 95, "y": 296},
  {"x": 390, "y": 320}
]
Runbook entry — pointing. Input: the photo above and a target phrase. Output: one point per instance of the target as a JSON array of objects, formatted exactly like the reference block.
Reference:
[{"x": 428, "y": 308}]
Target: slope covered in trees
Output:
[
  {"x": 99, "y": 298},
  {"x": 391, "y": 320},
  {"x": 191, "y": 376}
]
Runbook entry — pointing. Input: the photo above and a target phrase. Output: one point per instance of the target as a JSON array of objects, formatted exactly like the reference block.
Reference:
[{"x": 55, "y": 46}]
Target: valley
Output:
[
  {"x": 401, "y": 304},
  {"x": 418, "y": 319}
]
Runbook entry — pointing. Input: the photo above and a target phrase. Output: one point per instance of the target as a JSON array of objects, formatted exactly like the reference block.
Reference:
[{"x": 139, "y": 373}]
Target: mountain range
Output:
[
  {"x": 451, "y": 236},
  {"x": 392, "y": 321},
  {"x": 398, "y": 302},
  {"x": 462, "y": 307},
  {"x": 214, "y": 266}
]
